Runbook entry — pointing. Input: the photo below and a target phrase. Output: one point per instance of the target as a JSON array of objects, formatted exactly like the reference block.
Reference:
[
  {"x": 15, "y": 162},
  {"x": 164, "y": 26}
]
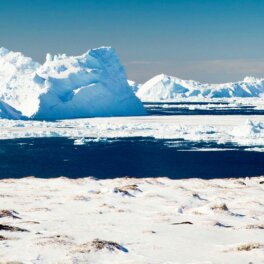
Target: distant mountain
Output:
[
  {"x": 89, "y": 85},
  {"x": 168, "y": 88}
]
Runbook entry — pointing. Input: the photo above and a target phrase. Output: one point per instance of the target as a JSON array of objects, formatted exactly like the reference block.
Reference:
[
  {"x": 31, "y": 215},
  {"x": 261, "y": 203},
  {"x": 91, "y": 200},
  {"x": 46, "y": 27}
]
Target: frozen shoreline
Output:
[{"x": 154, "y": 220}]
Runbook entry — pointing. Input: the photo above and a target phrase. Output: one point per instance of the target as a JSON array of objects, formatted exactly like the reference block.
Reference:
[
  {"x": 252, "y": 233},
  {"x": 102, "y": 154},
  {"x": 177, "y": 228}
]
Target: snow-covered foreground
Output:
[
  {"x": 128, "y": 220},
  {"x": 238, "y": 130}
]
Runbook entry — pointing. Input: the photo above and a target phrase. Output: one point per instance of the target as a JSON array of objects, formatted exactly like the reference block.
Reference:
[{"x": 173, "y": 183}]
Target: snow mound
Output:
[
  {"x": 168, "y": 88},
  {"x": 90, "y": 85}
]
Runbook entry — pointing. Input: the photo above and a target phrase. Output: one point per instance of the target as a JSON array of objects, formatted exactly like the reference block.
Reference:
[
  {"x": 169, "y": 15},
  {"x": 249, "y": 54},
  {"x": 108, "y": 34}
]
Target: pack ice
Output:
[
  {"x": 90, "y": 85},
  {"x": 168, "y": 88}
]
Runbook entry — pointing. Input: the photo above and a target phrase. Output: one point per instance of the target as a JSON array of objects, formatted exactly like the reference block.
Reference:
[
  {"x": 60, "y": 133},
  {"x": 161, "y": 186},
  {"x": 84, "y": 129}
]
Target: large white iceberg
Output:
[
  {"x": 91, "y": 85},
  {"x": 168, "y": 88}
]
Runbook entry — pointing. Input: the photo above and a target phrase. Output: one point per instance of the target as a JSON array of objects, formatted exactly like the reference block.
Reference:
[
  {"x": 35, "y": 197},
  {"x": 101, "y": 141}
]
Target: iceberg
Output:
[
  {"x": 90, "y": 85},
  {"x": 8, "y": 112},
  {"x": 134, "y": 86},
  {"x": 167, "y": 88}
]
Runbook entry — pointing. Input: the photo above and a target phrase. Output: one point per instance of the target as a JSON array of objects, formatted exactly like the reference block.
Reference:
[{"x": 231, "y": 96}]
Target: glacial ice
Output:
[
  {"x": 90, "y": 85},
  {"x": 168, "y": 88}
]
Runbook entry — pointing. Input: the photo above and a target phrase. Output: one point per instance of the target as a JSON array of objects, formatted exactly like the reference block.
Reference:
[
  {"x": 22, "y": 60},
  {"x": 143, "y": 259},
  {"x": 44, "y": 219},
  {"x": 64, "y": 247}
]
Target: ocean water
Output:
[
  {"x": 134, "y": 157},
  {"x": 201, "y": 108}
]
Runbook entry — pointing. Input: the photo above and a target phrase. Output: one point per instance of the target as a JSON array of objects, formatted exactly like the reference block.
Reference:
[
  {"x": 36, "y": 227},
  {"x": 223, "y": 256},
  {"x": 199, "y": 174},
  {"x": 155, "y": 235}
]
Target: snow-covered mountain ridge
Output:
[
  {"x": 89, "y": 85},
  {"x": 167, "y": 88}
]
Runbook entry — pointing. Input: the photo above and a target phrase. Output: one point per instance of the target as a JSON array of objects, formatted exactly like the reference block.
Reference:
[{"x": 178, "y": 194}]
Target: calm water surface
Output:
[
  {"x": 136, "y": 157},
  {"x": 203, "y": 108}
]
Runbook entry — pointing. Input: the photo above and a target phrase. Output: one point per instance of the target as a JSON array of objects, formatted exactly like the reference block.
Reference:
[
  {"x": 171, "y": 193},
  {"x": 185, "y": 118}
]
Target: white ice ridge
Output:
[
  {"x": 167, "y": 88},
  {"x": 237, "y": 130},
  {"x": 90, "y": 85}
]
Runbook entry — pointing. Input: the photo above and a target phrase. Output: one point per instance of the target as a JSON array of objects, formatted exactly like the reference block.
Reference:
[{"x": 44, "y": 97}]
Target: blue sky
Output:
[{"x": 206, "y": 40}]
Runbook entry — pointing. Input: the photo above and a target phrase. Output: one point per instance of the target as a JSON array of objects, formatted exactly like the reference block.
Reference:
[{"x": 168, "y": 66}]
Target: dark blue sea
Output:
[
  {"x": 136, "y": 157},
  {"x": 201, "y": 108},
  {"x": 133, "y": 157}
]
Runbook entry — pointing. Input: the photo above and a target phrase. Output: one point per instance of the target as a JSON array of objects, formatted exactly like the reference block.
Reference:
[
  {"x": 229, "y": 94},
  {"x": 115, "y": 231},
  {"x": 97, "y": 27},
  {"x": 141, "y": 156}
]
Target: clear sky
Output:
[{"x": 205, "y": 40}]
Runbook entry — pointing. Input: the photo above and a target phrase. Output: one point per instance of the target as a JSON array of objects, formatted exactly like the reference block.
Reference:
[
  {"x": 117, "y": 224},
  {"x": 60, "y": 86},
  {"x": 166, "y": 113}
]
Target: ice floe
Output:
[{"x": 238, "y": 130}]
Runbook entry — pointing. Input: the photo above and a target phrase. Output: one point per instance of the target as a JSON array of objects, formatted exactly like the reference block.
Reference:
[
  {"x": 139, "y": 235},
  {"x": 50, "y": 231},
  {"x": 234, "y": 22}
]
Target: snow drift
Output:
[
  {"x": 167, "y": 88},
  {"x": 91, "y": 85}
]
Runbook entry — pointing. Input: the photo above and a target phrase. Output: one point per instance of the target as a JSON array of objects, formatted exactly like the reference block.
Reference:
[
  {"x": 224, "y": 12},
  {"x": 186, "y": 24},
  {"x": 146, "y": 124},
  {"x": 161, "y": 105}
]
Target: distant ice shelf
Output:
[{"x": 167, "y": 88}]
